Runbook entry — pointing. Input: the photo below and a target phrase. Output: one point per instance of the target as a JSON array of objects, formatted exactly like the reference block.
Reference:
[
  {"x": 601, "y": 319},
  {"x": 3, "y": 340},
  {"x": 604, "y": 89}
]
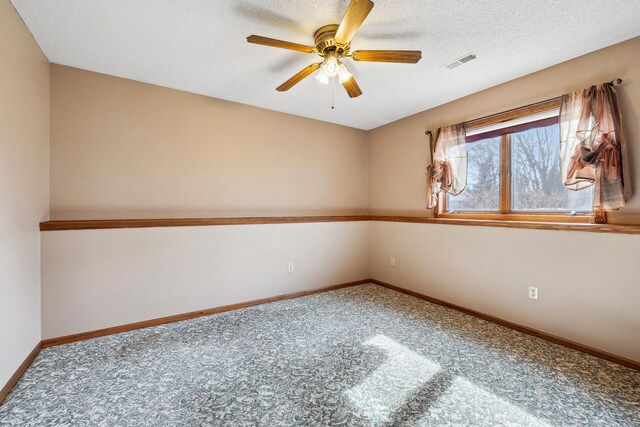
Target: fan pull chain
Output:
[{"x": 333, "y": 84}]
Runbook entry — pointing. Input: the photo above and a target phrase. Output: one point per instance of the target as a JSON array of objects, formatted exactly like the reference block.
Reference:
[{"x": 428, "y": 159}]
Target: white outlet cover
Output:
[
  {"x": 533, "y": 292},
  {"x": 392, "y": 262},
  {"x": 291, "y": 267}
]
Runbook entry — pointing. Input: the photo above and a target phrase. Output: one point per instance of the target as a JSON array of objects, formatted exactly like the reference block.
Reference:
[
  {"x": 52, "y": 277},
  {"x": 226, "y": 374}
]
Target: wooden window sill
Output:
[
  {"x": 521, "y": 217},
  {"x": 511, "y": 223}
]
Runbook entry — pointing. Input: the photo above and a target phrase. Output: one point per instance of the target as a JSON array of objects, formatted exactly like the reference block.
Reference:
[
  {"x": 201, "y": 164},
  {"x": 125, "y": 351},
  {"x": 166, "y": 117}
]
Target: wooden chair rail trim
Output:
[
  {"x": 593, "y": 228},
  {"x": 524, "y": 329},
  {"x": 194, "y": 222},
  {"x": 98, "y": 224},
  {"x": 4, "y": 392}
]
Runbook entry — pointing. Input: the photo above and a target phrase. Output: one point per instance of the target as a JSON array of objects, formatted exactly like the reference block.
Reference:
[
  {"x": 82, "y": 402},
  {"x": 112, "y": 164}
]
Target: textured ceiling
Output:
[{"x": 199, "y": 46}]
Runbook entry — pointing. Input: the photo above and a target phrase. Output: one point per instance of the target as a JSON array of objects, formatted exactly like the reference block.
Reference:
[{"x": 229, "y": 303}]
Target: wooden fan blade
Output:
[
  {"x": 266, "y": 41},
  {"x": 297, "y": 78},
  {"x": 403, "y": 56},
  {"x": 354, "y": 17},
  {"x": 352, "y": 88}
]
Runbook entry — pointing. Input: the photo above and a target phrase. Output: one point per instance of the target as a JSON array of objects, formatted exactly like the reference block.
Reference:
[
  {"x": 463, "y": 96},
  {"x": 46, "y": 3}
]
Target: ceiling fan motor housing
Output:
[
  {"x": 332, "y": 51},
  {"x": 326, "y": 43}
]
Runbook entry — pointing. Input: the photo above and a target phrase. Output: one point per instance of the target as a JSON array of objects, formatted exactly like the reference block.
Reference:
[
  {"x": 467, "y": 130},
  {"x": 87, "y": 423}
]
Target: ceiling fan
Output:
[{"x": 333, "y": 43}]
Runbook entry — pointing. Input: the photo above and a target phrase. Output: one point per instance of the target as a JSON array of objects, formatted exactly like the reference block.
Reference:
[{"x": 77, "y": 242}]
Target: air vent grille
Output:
[
  {"x": 467, "y": 58},
  {"x": 461, "y": 61}
]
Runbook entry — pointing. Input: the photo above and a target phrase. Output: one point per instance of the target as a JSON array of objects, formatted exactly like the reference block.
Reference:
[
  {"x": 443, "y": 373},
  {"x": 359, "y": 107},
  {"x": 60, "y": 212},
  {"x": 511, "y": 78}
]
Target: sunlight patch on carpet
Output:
[
  {"x": 464, "y": 403},
  {"x": 404, "y": 372}
]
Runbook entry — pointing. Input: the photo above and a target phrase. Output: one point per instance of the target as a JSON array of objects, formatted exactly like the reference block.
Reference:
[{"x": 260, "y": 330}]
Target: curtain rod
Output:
[{"x": 614, "y": 82}]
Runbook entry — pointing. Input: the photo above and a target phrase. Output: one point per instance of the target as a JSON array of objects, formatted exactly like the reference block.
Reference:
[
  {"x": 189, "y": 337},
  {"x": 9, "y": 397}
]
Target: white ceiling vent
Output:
[{"x": 461, "y": 61}]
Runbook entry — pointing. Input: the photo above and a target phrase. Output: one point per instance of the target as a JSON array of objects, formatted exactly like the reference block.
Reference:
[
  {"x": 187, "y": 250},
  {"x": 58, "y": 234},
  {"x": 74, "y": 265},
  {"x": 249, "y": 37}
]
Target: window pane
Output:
[
  {"x": 483, "y": 178},
  {"x": 535, "y": 174}
]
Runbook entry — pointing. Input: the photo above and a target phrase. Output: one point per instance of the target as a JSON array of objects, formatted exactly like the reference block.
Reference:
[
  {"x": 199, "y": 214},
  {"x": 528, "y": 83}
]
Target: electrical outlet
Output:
[
  {"x": 533, "y": 292},
  {"x": 291, "y": 267},
  {"x": 392, "y": 262}
]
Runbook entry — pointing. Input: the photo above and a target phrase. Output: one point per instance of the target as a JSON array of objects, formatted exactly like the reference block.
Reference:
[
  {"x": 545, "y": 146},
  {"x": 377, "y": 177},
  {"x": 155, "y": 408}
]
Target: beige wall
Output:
[
  {"x": 100, "y": 278},
  {"x": 591, "y": 299},
  {"x": 24, "y": 186},
  {"x": 398, "y": 152},
  {"x": 126, "y": 149},
  {"x": 121, "y": 148},
  {"x": 594, "y": 302}
]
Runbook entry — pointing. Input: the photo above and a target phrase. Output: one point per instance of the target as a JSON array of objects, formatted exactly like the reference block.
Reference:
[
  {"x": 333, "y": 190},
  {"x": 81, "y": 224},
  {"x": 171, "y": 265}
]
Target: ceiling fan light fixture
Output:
[
  {"x": 332, "y": 66},
  {"x": 323, "y": 76},
  {"x": 343, "y": 73},
  {"x": 333, "y": 43}
]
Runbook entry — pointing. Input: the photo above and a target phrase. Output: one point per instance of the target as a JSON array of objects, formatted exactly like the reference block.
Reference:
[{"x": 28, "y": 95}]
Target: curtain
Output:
[
  {"x": 448, "y": 169},
  {"x": 592, "y": 146}
]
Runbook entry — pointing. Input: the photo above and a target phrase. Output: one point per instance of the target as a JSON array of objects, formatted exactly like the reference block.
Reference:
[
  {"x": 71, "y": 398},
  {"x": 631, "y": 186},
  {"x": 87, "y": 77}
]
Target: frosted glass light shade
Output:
[
  {"x": 331, "y": 66},
  {"x": 323, "y": 76},
  {"x": 343, "y": 73}
]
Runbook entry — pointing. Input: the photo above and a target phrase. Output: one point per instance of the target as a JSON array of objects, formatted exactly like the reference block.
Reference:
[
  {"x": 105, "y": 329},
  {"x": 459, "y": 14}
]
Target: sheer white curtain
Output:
[
  {"x": 592, "y": 146},
  {"x": 448, "y": 169}
]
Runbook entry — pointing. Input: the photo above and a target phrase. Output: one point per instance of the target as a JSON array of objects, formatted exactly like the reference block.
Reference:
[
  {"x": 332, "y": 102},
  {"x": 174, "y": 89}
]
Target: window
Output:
[{"x": 513, "y": 172}]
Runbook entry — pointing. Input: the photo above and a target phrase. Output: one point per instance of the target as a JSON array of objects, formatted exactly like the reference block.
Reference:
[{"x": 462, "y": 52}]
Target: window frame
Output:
[{"x": 505, "y": 207}]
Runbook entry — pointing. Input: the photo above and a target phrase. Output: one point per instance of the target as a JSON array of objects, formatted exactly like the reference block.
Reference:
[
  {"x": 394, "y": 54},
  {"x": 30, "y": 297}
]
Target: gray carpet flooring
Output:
[{"x": 361, "y": 356}]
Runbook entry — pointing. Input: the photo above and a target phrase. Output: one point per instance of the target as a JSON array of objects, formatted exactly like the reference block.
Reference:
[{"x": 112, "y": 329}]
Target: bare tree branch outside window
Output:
[
  {"x": 536, "y": 185},
  {"x": 535, "y": 174}
]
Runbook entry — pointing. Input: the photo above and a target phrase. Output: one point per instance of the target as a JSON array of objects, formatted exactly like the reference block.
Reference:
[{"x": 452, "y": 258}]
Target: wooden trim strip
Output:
[
  {"x": 193, "y": 222},
  {"x": 505, "y": 174},
  {"x": 98, "y": 224},
  {"x": 192, "y": 315},
  {"x": 19, "y": 372},
  {"x": 553, "y": 120},
  {"x": 515, "y": 113},
  {"x": 522, "y": 217},
  {"x": 593, "y": 228},
  {"x": 524, "y": 329}
]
